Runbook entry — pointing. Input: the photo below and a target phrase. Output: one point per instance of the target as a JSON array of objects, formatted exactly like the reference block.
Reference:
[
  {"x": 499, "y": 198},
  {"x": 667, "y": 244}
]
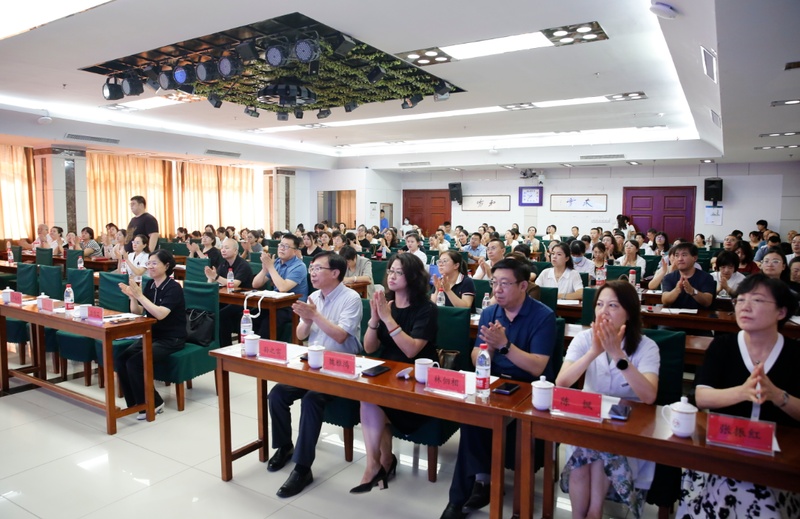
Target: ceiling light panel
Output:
[
  {"x": 780, "y": 147},
  {"x": 518, "y": 106},
  {"x": 574, "y": 34},
  {"x": 425, "y": 57},
  {"x": 477, "y": 49},
  {"x": 787, "y": 102},
  {"x": 627, "y": 96},
  {"x": 780, "y": 134}
]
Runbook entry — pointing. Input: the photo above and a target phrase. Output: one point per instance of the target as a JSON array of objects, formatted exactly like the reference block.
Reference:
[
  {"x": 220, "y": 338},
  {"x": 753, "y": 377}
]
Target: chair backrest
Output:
[
  {"x": 671, "y": 348},
  {"x": 180, "y": 249},
  {"x": 44, "y": 256},
  {"x": 255, "y": 267},
  {"x": 255, "y": 256},
  {"x": 482, "y": 287},
  {"x": 27, "y": 279},
  {"x": 549, "y": 296},
  {"x": 453, "y": 334},
  {"x": 366, "y": 313},
  {"x": 72, "y": 258},
  {"x": 541, "y": 265},
  {"x": 82, "y": 282},
  {"x": 378, "y": 271},
  {"x": 204, "y": 296},
  {"x": 584, "y": 278},
  {"x": 558, "y": 347},
  {"x": 195, "y": 269},
  {"x": 16, "y": 250},
  {"x": 307, "y": 261},
  {"x": 617, "y": 271},
  {"x": 587, "y": 310},
  {"x": 111, "y": 297},
  {"x": 50, "y": 277},
  {"x": 651, "y": 265}
]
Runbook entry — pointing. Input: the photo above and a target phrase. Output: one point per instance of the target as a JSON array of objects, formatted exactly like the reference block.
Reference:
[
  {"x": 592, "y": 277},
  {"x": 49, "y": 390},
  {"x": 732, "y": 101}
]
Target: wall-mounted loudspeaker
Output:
[
  {"x": 713, "y": 190},
  {"x": 455, "y": 191}
]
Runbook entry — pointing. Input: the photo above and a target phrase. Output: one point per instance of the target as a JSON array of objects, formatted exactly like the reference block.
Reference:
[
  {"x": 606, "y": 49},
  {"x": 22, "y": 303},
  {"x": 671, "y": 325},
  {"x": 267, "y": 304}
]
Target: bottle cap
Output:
[
  {"x": 484, "y": 346},
  {"x": 247, "y": 311},
  {"x": 69, "y": 286}
]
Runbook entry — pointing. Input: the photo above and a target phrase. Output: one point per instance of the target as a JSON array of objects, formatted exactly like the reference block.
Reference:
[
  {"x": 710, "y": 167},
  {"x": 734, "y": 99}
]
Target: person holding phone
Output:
[{"x": 617, "y": 360}]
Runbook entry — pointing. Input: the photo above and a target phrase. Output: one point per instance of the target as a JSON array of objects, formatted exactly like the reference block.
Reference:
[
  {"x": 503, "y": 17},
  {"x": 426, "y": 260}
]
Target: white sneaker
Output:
[{"x": 143, "y": 414}]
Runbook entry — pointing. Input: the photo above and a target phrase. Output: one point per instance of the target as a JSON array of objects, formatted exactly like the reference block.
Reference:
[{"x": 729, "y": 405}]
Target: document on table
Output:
[
  {"x": 268, "y": 293},
  {"x": 568, "y": 302},
  {"x": 675, "y": 311}
]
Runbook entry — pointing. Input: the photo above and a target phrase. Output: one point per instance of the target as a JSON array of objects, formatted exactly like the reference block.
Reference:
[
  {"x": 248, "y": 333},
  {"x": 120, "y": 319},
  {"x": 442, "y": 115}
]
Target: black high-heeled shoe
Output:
[
  {"x": 380, "y": 479},
  {"x": 392, "y": 472}
]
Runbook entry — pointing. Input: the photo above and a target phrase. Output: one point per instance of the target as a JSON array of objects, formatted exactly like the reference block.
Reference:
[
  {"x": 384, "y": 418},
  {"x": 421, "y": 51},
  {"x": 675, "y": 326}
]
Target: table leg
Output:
[
  {"x": 548, "y": 483},
  {"x": 295, "y": 323},
  {"x": 263, "y": 418},
  {"x": 111, "y": 402},
  {"x": 3, "y": 356},
  {"x": 498, "y": 469},
  {"x": 224, "y": 398},
  {"x": 149, "y": 391},
  {"x": 38, "y": 353},
  {"x": 273, "y": 323},
  {"x": 523, "y": 492}
]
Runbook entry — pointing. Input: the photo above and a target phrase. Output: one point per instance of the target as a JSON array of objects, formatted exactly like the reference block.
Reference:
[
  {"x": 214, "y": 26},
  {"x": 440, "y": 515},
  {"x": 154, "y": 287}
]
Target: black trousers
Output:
[
  {"x": 311, "y": 412},
  {"x": 130, "y": 367},
  {"x": 230, "y": 317}
]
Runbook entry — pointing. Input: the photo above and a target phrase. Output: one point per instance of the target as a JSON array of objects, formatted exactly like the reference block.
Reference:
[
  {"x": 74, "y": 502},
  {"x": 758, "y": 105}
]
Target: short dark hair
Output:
[
  {"x": 476, "y": 234},
  {"x": 415, "y": 274},
  {"x": 221, "y": 229},
  {"x": 774, "y": 238},
  {"x": 762, "y": 222},
  {"x": 347, "y": 252},
  {"x": 335, "y": 262},
  {"x": 780, "y": 292},
  {"x": 727, "y": 258},
  {"x": 89, "y": 231},
  {"x": 212, "y": 236},
  {"x": 691, "y": 248},
  {"x": 577, "y": 248},
  {"x": 599, "y": 246},
  {"x": 522, "y": 270},
  {"x": 165, "y": 257},
  {"x": 139, "y": 200},
  {"x": 629, "y": 299},
  {"x": 336, "y": 233},
  {"x": 296, "y": 241},
  {"x": 524, "y": 249}
]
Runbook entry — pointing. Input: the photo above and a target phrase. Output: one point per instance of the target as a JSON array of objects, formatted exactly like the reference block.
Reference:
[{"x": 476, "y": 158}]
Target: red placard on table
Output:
[
  {"x": 447, "y": 380},
  {"x": 47, "y": 304},
  {"x": 740, "y": 433},
  {"x": 339, "y": 363},
  {"x": 16, "y": 298},
  {"x": 272, "y": 350},
  {"x": 577, "y": 404},
  {"x": 95, "y": 313}
]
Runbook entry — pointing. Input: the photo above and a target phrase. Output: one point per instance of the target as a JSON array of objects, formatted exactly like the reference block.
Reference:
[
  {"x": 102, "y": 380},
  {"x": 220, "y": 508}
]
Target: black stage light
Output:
[
  {"x": 132, "y": 85},
  {"x": 184, "y": 74},
  {"x": 251, "y": 111},
  {"x": 189, "y": 89},
  {"x": 324, "y": 113},
  {"x": 298, "y": 113},
  {"x": 313, "y": 68},
  {"x": 215, "y": 100},
  {"x": 306, "y": 50},
  {"x": 247, "y": 51},
  {"x": 151, "y": 71},
  {"x": 350, "y": 106},
  {"x": 153, "y": 83},
  {"x": 112, "y": 91},
  {"x": 376, "y": 74},
  {"x": 230, "y": 66},
  {"x": 166, "y": 81},
  {"x": 343, "y": 45},
  {"x": 277, "y": 55},
  {"x": 442, "y": 87},
  {"x": 207, "y": 71},
  {"x": 411, "y": 101},
  {"x": 283, "y": 116}
]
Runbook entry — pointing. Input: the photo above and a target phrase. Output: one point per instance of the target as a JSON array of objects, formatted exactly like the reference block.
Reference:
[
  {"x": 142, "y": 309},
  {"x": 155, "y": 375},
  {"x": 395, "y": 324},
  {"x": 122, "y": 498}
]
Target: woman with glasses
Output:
[
  {"x": 752, "y": 374},
  {"x": 459, "y": 290},
  {"x": 661, "y": 244},
  {"x": 773, "y": 264},
  {"x": 162, "y": 299},
  {"x": 562, "y": 275},
  {"x": 617, "y": 360},
  {"x": 403, "y": 322},
  {"x": 631, "y": 257}
]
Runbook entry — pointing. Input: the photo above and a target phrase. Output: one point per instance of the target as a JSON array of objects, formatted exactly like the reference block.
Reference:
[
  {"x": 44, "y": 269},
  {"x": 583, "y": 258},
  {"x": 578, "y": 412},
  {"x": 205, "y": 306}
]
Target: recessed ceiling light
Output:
[
  {"x": 476, "y": 49},
  {"x": 706, "y": 161},
  {"x": 566, "y": 40},
  {"x": 456, "y": 169},
  {"x": 573, "y": 34},
  {"x": 431, "y": 53},
  {"x": 634, "y": 163},
  {"x": 413, "y": 56},
  {"x": 509, "y": 167},
  {"x": 560, "y": 34},
  {"x": 778, "y": 134},
  {"x": 440, "y": 58},
  {"x": 571, "y": 102},
  {"x": 423, "y": 61},
  {"x": 567, "y": 165},
  {"x": 583, "y": 29},
  {"x": 786, "y": 102},
  {"x": 589, "y": 36}
]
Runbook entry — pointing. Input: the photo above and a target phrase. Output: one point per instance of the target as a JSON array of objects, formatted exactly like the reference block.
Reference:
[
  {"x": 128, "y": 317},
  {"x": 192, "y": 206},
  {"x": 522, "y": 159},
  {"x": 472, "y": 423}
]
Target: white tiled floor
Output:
[{"x": 57, "y": 462}]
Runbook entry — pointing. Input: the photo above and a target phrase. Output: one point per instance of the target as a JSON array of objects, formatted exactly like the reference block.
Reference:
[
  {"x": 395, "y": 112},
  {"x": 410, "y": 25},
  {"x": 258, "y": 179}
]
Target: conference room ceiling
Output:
[{"x": 681, "y": 117}]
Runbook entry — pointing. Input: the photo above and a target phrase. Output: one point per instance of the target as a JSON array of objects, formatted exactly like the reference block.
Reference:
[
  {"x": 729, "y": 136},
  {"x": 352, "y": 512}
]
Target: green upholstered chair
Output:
[
  {"x": 541, "y": 265},
  {"x": 52, "y": 284},
  {"x": 584, "y": 278},
  {"x": 193, "y": 360},
  {"x": 255, "y": 267},
  {"x": 18, "y": 331},
  {"x": 549, "y": 296},
  {"x": 453, "y": 334},
  {"x": 379, "y": 271},
  {"x": 16, "y": 250},
  {"x": 195, "y": 269},
  {"x": 82, "y": 282},
  {"x": 651, "y": 265},
  {"x": 180, "y": 249},
  {"x": 482, "y": 287},
  {"x": 9, "y": 279},
  {"x": 255, "y": 257},
  {"x": 587, "y": 310},
  {"x": 617, "y": 271},
  {"x": 307, "y": 260},
  {"x": 71, "y": 346},
  {"x": 44, "y": 256},
  {"x": 72, "y": 258}
]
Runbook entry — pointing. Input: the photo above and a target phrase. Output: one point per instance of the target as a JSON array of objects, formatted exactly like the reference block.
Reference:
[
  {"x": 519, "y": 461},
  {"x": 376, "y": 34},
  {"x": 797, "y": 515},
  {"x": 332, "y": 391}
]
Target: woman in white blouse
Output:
[
  {"x": 552, "y": 234},
  {"x": 631, "y": 257},
  {"x": 136, "y": 262},
  {"x": 413, "y": 243},
  {"x": 562, "y": 275}
]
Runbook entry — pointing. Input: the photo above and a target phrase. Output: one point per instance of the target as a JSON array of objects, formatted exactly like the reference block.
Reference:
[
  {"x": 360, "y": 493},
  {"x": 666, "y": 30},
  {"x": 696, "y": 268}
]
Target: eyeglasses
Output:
[
  {"x": 151, "y": 264},
  {"x": 771, "y": 262},
  {"x": 284, "y": 246},
  {"x": 444, "y": 262},
  {"x": 395, "y": 272},
  {"x": 756, "y": 301},
  {"x": 502, "y": 285},
  {"x": 313, "y": 269}
]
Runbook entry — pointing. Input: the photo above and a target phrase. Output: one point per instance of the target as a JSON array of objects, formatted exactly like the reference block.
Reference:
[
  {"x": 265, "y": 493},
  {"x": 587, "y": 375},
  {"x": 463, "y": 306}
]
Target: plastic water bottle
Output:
[
  {"x": 483, "y": 370},
  {"x": 440, "y": 298},
  {"x": 9, "y": 253},
  {"x": 123, "y": 269},
  {"x": 486, "y": 301},
  {"x": 69, "y": 301},
  {"x": 246, "y": 326},
  {"x": 80, "y": 263},
  {"x": 632, "y": 277},
  {"x": 231, "y": 280},
  {"x": 600, "y": 276}
]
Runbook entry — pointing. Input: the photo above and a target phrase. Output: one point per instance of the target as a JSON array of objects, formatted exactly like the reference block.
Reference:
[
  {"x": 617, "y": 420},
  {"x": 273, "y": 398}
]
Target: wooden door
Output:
[
  {"x": 427, "y": 208},
  {"x": 668, "y": 209}
]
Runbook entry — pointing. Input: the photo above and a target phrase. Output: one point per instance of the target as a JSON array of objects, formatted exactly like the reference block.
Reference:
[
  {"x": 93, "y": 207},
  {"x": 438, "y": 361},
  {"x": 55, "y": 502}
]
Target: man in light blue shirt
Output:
[
  {"x": 331, "y": 318},
  {"x": 288, "y": 273},
  {"x": 475, "y": 250}
]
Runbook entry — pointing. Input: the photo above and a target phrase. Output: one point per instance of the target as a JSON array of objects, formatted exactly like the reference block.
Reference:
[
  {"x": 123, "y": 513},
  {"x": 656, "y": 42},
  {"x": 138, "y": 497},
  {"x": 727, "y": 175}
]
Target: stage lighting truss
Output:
[
  {"x": 207, "y": 71},
  {"x": 286, "y": 95},
  {"x": 230, "y": 66},
  {"x": 307, "y": 50},
  {"x": 132, "y": 85},
  {"x": 166, "y": 81},
  {"x": 277, "y": 55},
  {"x": 184, "y": 74},
  {"x": 112, "y": 91}
]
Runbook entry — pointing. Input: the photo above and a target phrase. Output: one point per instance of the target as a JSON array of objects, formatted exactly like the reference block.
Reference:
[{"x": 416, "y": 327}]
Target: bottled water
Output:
[
  {"x": 80, "y": 263},
  {"x": 440, "y": 297},
  {"x": 123, "y": 269},
  {"x": 246, "y": 326},
  {"x": 9, "y": 253},
  {"x": 230, "y": 279},
  {"x": 486, "y": 301},
  {"x": 483, "y": 370},
  {"x": 600, "y": 276},
  {"x": 69, "y": 301}
]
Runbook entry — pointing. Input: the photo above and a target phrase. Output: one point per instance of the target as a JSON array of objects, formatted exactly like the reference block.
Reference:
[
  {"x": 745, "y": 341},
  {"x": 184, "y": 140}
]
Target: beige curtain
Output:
[
  {"x": 197, "y": 196},
  {"x": 16, "y": 189},
  {"x": 236, "y": 197},
  {"x": 112, "y": 180}
]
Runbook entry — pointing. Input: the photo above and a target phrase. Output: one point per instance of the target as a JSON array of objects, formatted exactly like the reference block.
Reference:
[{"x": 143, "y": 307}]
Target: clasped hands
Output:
[
  {"x": 494, "y": 335},
  {"x": 606, "y": 339}
]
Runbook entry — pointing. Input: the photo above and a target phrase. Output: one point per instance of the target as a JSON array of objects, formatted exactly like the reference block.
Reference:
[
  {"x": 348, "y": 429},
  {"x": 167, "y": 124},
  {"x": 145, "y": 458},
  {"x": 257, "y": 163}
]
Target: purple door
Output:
[{"x": 668, "y": 209}]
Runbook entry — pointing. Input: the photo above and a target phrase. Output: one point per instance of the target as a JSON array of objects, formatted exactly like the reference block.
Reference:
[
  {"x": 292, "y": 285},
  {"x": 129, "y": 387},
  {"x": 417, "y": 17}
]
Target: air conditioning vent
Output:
[
  {"x": 413, "y": 164},
  {"x": 90, "y": 138},
  {"x": 219, "y": 153},
  {"x": 595, "y": 165},
  {"x": 716, "y": 119},
  {"x": 602, "y": 157}
]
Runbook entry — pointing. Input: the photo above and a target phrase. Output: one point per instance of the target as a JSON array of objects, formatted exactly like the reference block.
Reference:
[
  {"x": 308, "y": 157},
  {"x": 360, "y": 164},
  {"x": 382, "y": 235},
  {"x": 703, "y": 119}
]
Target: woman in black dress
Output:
[{"x": 404, "y": 322}]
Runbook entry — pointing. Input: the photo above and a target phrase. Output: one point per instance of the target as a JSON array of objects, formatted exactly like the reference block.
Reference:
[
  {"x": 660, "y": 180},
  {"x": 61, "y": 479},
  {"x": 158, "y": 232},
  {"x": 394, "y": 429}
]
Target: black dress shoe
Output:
[
  {"x": 479, "y": 498},
  {"x": 279, "y": 459},
  {"x": 453, "y": 512},
  {"x": 295, "y": 484}
]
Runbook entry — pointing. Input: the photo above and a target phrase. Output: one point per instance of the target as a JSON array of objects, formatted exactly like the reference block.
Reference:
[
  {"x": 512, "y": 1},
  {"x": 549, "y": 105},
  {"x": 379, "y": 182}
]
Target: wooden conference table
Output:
[
  {"x": 104, "y": 265},
  {"x": 106, "y": 333},
  {"x": 646, "y": 435},
  {"x": 386, "y": 390}
]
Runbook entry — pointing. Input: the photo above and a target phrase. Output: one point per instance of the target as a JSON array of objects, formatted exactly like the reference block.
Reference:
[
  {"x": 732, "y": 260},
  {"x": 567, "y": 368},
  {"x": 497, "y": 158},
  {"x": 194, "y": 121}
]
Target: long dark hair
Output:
[
  {"x": 629, "y": 299},
  {"x": 457, "y": 259},
  {"x": 415, "y": 274},
  {"x": 565, "y": 249}
]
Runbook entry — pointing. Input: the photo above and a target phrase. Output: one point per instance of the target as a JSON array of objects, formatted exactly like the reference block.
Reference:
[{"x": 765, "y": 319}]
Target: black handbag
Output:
[{"x": 199, "y": 327}]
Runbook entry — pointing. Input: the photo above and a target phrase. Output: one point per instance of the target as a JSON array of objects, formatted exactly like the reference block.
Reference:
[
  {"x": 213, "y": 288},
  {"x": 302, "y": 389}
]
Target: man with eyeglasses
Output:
[
  {"x": 330, "y": 318},
  {"x": 288, "y": 273},
  {"x": 229, "y": 315},
  {"x": 495, "y": 251},
  {"x": 688, "y": 286},
  {"x": 520, "y": 333},
  {"x": 475, "y": 251}
]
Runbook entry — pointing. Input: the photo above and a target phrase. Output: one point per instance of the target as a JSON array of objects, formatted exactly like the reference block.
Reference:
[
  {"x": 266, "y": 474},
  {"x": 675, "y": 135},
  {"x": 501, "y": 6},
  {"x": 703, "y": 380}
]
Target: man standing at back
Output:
[
  {"x": 330, "y": 318},
  {"x": 141, "y": 223},
  {"x": 687, "y": 287}
]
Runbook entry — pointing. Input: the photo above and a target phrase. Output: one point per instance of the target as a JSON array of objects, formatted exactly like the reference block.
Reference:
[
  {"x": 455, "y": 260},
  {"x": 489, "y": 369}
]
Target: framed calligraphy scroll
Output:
[
  {"x": 486, "y": 203},
  {"x": 581, "y": 203}
]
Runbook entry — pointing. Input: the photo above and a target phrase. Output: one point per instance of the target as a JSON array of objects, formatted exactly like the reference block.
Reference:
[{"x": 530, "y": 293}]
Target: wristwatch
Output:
[
  {"x": 622, "y": 364},
  {"x": 504, "y": 349},
  {"x": 695, "y": 292},
  {"x": 785, "y": 399}
]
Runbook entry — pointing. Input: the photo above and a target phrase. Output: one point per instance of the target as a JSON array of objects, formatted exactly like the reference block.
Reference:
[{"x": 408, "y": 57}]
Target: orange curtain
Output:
[
  {"x": 111, "y": 182},
  {"x": 16, "y": 186},
  {"x": 197, "y": 196},
  {"x": 236, "y": 197}
]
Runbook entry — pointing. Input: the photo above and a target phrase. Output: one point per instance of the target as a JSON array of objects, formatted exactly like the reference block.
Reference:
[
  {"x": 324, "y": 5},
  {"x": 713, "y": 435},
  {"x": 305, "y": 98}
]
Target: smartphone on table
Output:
[
  {"x": 620, "y": 412},
  {"x": 506, "y": 388}
]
